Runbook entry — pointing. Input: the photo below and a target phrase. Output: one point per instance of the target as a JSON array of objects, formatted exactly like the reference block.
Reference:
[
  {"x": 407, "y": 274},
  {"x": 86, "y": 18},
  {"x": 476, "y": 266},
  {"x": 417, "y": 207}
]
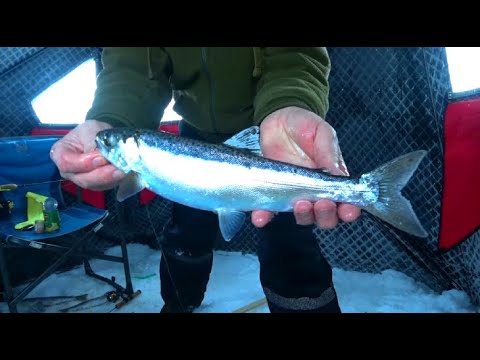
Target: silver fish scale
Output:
[
  {"x": 270, "y": 184},
  {"x": 228, "y": 154},
  {"x": 223, "y": 175}
]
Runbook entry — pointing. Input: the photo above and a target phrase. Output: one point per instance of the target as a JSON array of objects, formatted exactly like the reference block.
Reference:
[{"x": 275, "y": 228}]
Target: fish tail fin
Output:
[{"x": 391, "y": 206}]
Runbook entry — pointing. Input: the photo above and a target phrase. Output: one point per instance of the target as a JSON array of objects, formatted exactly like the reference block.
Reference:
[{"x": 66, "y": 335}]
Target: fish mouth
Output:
[
  {"x": 111, "y": 143},
  {"x": 111, "y": 137}
]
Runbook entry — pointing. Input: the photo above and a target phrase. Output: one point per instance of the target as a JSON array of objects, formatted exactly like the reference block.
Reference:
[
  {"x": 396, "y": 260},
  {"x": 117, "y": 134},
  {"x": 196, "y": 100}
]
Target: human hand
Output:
[
  {"x": 78, "y": 160},
  {"x": 298, "y": 136}
]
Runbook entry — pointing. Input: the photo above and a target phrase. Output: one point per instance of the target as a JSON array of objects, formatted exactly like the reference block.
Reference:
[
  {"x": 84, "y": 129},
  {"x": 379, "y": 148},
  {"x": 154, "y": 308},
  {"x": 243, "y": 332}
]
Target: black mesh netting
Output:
[
  {"x": 11, "y": 56},
  {"x": 384, "y": 102}
]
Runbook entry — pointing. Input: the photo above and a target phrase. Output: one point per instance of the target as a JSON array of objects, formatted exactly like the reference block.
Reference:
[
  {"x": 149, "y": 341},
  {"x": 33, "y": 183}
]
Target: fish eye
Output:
[
  {"x": 109, "y": 140},
  {"x": 106, "y": 140}
]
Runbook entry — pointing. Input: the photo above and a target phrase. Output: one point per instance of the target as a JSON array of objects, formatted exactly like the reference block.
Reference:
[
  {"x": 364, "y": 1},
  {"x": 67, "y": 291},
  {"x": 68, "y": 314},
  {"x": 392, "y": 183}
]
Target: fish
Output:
[{"x": 233, "y": 178}]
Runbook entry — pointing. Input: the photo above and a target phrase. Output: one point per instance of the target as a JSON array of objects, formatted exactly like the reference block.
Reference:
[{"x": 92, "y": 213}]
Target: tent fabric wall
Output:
[
  {"x": 386, "y": 102},
  {"x": 11, "y": 56}
]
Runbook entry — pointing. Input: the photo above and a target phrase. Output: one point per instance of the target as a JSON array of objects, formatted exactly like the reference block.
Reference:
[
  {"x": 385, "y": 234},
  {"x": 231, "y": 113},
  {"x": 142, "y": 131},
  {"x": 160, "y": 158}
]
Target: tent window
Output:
[
  {"x": 464, "y": 70},
  {"x": 169, "y": 114},
  {"x": 67, "y": 101}
]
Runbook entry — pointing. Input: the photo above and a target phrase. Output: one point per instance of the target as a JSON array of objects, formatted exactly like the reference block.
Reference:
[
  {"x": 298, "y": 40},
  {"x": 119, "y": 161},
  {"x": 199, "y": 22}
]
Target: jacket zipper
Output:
[{"x": 211, "y": 88}]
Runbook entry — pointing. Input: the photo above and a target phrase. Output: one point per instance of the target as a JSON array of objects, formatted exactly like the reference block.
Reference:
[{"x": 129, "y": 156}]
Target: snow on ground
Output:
[{"x": 234, "y": 283}]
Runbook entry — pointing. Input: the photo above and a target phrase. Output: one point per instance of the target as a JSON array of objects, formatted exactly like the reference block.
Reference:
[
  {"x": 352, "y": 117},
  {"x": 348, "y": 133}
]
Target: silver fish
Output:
[{"x": 234, "y": 178}]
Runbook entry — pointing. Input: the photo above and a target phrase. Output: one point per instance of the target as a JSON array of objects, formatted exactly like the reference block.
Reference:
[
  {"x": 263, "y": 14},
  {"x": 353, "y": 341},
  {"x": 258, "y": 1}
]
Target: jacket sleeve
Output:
[
  {"x": 133, "y": 88},
  {"x": 292, "y": 77}
]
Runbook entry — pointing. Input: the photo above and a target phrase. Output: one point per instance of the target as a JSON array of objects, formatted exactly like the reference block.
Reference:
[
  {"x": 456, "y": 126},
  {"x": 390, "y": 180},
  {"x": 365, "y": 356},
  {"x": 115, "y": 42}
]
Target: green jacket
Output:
[{"x": 216, "y": 90}]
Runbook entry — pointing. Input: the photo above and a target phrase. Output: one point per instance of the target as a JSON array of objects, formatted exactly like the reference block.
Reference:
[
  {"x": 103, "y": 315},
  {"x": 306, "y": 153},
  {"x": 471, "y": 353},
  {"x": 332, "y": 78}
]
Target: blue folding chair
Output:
[{"x": 26, "y": 160}]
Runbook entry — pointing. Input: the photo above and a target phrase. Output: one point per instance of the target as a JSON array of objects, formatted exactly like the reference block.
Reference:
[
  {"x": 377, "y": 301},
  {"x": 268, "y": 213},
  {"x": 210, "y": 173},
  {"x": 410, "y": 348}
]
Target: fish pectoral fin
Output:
[
  {"x": 230, "y": 221},
  {"x": 248, "y": 139},
  {"x": 129, "y": 186}
]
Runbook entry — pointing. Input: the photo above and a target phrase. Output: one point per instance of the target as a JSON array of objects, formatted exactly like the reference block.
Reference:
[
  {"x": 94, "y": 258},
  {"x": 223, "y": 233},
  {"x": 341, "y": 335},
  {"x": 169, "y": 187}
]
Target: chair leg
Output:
[
  {"x": 121, "y": 209},
  {"x": 126, "y": 266},
  {"x": 128, "y": 290},
  {"x": 6, "y": 281},
  {"x": 89, "y": 271}
]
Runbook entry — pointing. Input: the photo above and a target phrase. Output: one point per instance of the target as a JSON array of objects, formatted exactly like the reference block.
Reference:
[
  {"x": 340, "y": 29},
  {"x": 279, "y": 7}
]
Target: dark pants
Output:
[{"x": 293, "y": 272}]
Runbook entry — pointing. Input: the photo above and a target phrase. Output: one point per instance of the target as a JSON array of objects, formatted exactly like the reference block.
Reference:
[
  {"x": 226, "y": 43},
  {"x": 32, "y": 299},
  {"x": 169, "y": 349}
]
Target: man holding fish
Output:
[{"x": 219, "y": 92}]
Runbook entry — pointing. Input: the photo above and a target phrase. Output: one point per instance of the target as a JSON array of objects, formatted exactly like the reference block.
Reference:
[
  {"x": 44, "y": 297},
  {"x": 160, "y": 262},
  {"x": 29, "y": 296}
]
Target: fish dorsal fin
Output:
[
  {"x": 129, "y": 186},
  {"x": 230, "y": 221},
  {"x": 248, "y": 139}
]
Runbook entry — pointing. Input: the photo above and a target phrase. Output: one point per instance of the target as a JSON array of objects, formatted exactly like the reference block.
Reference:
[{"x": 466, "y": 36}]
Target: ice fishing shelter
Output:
[{"x": 384, "y": 102}]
